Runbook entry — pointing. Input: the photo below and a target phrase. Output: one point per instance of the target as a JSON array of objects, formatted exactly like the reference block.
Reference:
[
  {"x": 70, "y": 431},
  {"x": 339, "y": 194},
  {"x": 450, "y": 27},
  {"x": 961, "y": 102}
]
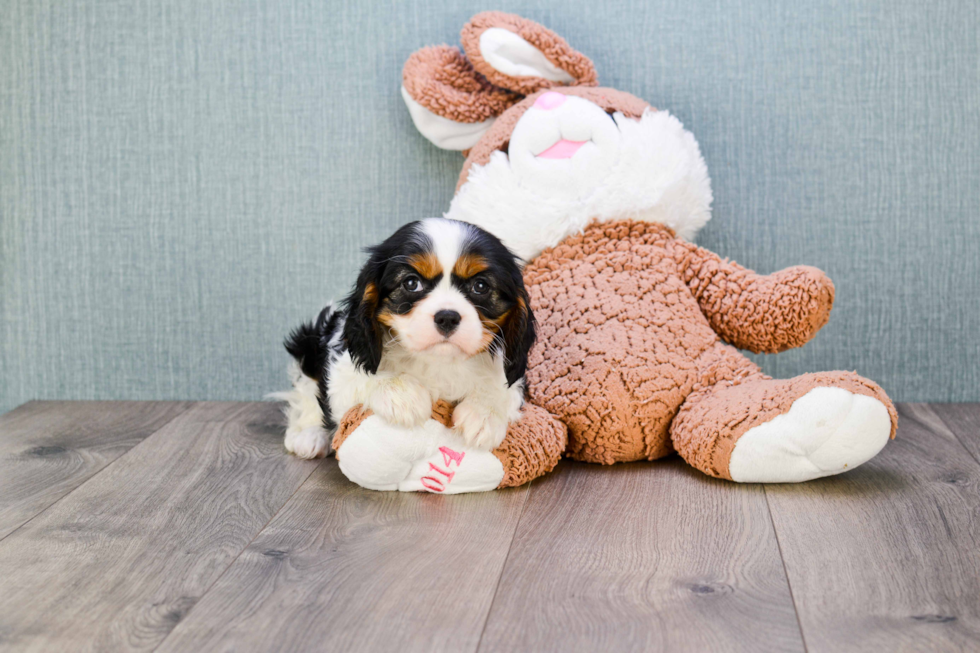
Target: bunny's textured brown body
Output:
[{"x": 631, "y": 357}]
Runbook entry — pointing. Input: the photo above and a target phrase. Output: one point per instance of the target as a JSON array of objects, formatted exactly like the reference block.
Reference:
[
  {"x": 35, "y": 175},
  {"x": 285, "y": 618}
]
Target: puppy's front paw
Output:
[
  {"x": 310, "y": 442},
  {"x": 403, "y": 401},
  {"x": 478, "y": 425}
]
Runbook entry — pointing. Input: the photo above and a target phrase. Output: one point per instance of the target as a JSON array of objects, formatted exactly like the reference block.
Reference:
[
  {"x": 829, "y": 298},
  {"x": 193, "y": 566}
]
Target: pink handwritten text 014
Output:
[{"x": 435, "y": 483}]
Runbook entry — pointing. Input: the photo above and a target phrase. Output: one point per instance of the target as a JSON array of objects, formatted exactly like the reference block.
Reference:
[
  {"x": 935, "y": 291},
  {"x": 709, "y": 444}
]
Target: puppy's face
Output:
[{"x": 446, "y": 288}]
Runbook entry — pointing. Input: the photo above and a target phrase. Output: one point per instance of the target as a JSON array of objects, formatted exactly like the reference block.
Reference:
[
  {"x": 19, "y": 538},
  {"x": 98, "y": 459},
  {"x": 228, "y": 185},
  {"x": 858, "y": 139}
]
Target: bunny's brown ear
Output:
[
  {"x": 519, "y": 54},
  {"x": 450, "y": 103}
]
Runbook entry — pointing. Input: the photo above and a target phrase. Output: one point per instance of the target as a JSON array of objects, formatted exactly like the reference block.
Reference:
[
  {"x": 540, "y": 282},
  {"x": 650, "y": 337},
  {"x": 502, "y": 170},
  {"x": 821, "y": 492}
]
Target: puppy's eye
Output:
[
  {"x": 480, "y": 287},
  {"x": 412, "y": 284}
]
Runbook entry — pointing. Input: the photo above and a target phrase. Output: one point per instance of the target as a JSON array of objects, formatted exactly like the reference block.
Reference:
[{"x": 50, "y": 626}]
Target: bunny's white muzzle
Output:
[{"x": 564, "y": 143}]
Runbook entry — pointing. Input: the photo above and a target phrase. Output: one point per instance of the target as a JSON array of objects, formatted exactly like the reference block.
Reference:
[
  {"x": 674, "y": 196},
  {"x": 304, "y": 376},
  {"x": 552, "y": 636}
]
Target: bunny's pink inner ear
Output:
[
  {"x": 450, "y": 103},
  {"x": 521, "y": 55}
]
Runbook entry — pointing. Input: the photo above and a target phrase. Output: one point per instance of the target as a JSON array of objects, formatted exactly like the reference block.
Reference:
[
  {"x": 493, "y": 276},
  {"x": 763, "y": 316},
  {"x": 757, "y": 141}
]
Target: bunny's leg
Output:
[
  {"x": 434, "y": 458},
  {"x": 375, "y": 454},
  {"x": 760, "y": 430},
  {"x": 532, "y": 447}
]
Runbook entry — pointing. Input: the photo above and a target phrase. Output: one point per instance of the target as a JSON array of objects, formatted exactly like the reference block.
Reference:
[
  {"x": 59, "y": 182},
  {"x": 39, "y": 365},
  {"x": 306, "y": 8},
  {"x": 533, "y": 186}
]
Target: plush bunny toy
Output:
[{"x": 600, "y": 194}]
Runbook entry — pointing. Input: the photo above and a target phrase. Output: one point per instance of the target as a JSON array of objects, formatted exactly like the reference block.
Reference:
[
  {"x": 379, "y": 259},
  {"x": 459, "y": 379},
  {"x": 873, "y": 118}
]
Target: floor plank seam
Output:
[
  {"x": 107, "y": 466},
  {"x": 503, "y": 567},
  {"x": 955, "y": 432},
  {"x": 239, "y": 554},
  {"x": 782, "y": 560}
]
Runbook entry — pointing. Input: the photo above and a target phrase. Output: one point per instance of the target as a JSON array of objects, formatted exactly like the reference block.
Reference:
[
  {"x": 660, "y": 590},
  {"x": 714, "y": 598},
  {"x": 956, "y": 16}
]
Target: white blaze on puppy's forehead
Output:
[{"x": 448, "y": 238}]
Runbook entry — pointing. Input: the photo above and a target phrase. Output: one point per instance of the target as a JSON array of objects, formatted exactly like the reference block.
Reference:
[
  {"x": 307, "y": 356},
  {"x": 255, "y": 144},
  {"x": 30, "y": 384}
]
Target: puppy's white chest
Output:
[{"x": 451, "y": 380}]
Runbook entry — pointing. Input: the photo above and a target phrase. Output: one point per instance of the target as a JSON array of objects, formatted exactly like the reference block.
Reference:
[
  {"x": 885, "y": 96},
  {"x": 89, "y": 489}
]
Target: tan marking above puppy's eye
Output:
[
  {"x": 426, "y": 264},
  {"x": 469, "y": 264}
]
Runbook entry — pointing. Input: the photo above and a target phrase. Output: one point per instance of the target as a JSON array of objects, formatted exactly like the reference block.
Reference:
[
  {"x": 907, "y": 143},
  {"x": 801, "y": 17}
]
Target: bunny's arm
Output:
[{"x": 760, "y": 313}]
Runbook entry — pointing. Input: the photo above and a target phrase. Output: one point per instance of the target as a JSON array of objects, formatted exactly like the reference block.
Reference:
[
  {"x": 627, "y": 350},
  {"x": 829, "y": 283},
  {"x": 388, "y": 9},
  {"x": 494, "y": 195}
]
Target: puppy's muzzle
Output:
[{"x": 446, "y": 321}]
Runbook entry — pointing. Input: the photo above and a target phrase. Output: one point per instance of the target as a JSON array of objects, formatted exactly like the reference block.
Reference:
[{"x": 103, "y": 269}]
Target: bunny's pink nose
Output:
[{"x": 550, "y": 100}]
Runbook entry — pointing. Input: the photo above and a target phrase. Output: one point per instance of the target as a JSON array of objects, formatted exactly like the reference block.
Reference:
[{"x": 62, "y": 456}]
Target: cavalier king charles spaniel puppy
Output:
[{"x": 438, "y": 312}]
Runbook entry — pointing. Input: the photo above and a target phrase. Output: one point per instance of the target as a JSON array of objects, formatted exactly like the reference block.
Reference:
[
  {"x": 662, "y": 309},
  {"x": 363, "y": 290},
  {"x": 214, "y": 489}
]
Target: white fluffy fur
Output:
[
  {"x": 305, "y": 435},
  {"x": 649, "y": 169}
]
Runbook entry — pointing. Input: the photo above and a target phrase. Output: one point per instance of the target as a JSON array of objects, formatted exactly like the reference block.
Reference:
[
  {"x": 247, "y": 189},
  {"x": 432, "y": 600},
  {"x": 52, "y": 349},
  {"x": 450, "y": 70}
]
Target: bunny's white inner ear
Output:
[
  {"x": 513, "y": 56},
  {"x": 443, "y": 132}
]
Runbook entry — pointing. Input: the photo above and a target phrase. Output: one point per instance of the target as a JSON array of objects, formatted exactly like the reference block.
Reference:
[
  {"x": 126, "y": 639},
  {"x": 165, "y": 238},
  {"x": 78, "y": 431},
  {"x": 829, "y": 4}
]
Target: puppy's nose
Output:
[
  {"x": 550, "y": 100},
  {"x": 446, "y": 321}
]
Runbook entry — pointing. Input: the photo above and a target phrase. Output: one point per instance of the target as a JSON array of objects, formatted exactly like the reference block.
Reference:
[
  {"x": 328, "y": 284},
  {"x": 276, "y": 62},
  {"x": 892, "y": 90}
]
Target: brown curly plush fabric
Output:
[
  {"x": 554, "y": 48},
  {"x": 627, "y": 318},
  {"x": 532, "y": 447},
  {"x": 442, "y": 412},
  {"x": 441, "y": 79},
  {"x": 755, "y": 318},
  {"x": 348, "y": 423},
  {"x": 498, "y": 136}
]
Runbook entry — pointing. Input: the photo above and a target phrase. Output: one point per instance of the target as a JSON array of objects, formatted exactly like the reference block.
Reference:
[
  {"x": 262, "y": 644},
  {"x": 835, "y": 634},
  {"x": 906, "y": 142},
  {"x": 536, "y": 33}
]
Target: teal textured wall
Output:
[{"x": 182, "y": 181}]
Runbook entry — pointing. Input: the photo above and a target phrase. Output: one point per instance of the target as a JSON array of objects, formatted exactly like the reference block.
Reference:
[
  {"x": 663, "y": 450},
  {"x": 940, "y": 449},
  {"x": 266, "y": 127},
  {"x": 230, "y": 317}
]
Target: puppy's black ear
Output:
[
  {"x": 519, "y": 334},
  {"x": 362, "y": 333}
]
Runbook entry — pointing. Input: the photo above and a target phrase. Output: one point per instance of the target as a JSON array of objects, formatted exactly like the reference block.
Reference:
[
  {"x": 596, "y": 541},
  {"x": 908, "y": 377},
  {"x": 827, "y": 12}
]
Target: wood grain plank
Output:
[
  {"x": 885, "y": 557},
  {"x": 964, "y": 421},
  {"x": 119, "y": 561},
  {"x": 642, "y": 557},
  {"x": 48, "y": 448},
  {"x": 347, "y": 569}
]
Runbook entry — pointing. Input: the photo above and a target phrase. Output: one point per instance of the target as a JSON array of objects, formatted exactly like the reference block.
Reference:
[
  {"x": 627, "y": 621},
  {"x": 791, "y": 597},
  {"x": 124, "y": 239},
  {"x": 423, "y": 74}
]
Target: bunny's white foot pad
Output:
[
  {"x": 826, "y": 431},
  {"x": 427, "y": 458}
]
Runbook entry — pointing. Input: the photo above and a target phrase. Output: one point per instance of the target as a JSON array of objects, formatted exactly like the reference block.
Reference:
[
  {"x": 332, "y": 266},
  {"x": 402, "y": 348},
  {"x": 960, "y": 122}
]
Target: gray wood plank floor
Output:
[
  {"x": 351, "y": 570},
  {"x": 49, "y": 448},
  {"x": 120, "y": 560},
  {"x": 887, "y": 557},
  {"x": 644, "y": 557},
  {"x": 176, "y": 527}
]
